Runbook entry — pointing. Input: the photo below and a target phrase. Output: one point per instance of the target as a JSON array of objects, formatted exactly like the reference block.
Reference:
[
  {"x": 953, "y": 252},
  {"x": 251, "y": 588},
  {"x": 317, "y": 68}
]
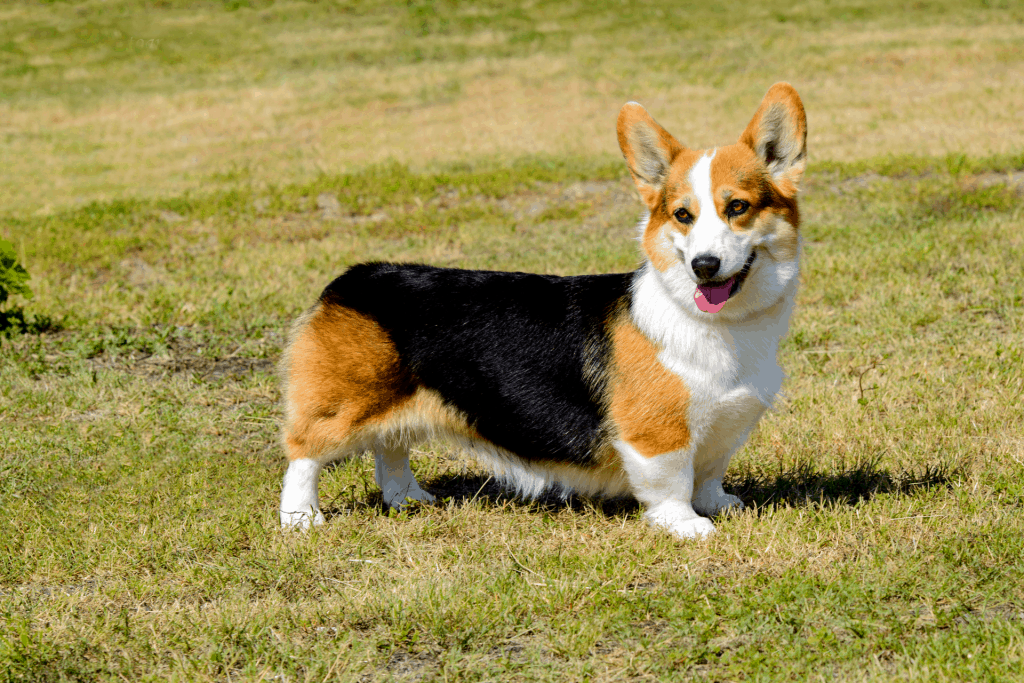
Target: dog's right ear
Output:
[
  {"x": 648, "y": 148},
  {"x": 778, "y": 135}
]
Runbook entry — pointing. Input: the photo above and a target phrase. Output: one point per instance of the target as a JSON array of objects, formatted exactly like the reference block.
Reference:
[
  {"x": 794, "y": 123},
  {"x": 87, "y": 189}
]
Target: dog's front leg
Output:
[
  {"x": 664, "y": 484},
  {"x": 738, "y": 413}
]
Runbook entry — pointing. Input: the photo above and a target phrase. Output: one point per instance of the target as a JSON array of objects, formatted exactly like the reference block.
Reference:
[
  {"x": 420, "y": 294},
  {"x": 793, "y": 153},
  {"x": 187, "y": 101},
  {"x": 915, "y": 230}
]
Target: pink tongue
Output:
[{"x": 711, "y": 299}]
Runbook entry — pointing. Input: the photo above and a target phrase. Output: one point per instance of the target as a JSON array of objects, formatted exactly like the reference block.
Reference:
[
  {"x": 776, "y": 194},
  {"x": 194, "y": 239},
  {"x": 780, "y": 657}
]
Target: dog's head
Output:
[{"x": 721, "y": 229}]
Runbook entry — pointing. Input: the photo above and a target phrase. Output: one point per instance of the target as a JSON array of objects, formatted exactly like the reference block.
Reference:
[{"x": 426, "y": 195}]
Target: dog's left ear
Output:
[
  {"x": 778, "y": 134},
  {"x": 648, "y": 149}
]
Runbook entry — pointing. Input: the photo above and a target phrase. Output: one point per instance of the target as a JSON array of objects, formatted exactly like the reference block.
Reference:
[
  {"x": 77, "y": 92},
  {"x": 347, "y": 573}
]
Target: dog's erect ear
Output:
[
  {"x": 778, "y": 134},
  {"x": 648, "y": 149}
]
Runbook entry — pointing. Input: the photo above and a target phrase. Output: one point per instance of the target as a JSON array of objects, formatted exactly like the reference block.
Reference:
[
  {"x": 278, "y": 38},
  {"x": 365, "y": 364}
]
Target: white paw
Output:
[
  {"x": 711, "y": 500},
  {"x": 398, "y": 497},
  {"x": 680, "y": 522},
  {"x": 698, "y": 527},
  {"x": 301, "y": 520}
]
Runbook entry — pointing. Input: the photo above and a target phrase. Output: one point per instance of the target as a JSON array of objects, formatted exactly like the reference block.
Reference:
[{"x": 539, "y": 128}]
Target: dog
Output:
[{"x": 641, "y": 383}]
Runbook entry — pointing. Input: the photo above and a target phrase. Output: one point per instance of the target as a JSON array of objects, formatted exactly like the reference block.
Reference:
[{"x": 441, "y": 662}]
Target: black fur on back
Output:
[{"x": 522, "y": 355}]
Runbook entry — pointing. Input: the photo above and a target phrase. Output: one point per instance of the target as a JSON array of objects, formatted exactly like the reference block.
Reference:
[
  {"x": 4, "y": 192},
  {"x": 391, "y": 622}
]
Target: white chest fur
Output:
[{"x": 729, "y": 366}]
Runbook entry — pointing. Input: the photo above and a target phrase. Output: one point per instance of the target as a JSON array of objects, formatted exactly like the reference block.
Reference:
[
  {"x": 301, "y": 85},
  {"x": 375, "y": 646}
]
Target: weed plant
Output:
[{"x": 13, "y": 282}]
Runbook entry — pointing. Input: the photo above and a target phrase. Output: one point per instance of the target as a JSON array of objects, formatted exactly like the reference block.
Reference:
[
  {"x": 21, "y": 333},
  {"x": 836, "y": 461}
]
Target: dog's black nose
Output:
[{"x": 705, "y": 266}]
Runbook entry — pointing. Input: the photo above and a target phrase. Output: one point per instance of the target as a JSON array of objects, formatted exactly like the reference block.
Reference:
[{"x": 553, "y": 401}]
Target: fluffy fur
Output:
[{"x": 643, "y": 383}]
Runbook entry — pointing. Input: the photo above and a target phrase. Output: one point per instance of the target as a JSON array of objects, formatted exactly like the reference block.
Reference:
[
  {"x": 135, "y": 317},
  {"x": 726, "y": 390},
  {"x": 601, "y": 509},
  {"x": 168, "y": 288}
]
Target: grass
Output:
[
  {"x": 126, "y": 99},
  {"x": 139, "y": 465}
]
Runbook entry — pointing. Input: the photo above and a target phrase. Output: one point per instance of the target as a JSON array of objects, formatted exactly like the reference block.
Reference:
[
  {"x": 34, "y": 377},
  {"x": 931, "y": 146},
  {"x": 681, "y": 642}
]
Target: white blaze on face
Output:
[
  {"x": 709, "y": 234},
  {"x": 700, "y": 182}
]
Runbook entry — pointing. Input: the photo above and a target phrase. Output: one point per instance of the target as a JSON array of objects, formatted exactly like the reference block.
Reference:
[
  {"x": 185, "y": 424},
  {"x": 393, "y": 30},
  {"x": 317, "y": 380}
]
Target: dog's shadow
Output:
[
  {"x": 799, "y": 486},
  {"x": 461, "y": 489},
  {"x": 804, "y": 485}
]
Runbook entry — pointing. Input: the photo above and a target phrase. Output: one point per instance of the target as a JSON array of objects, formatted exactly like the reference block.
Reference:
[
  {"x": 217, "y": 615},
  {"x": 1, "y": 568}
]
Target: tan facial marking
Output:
[
  {"x": 678, "y": 193},
  {"x": 648, "y": 403},
  {"x": 675, "y": 193},
  {"x": 786, "y": 240},
  {"x": 656, "y": 243},
  {"x": 737, "y": 173}
]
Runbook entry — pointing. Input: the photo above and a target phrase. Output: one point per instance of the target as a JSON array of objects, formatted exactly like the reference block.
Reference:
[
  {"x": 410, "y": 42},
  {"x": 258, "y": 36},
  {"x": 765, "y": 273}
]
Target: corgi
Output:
[{"x": 641, "y": 383}]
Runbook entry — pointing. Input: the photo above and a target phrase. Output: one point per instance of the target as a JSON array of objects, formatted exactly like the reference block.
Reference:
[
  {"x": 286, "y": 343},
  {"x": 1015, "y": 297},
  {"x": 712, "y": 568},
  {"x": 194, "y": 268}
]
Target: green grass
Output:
[
  {"x": 141, "y": 467},
  {"x": 131, "y": 99},
  {"x": 210, "y": 42},
  {"x": 100, "y": 233},
  {"x": 179, "y": 200},
  {"x": 903, "y": 165}
]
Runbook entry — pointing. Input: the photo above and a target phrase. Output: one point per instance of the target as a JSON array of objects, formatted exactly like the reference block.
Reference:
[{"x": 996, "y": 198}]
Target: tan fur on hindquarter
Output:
[
  {"x": 345, "y": 389},
  {"x": 342, "y": 372}
]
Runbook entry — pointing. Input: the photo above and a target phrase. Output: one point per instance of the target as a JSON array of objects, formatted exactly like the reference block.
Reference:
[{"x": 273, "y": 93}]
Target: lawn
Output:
[{"x": 181, "y": 180}]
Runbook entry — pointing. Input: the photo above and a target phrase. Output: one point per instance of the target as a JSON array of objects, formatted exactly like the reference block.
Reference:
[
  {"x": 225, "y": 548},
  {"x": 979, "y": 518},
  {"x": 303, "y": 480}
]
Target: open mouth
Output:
[{"x": 710, "y": 297}]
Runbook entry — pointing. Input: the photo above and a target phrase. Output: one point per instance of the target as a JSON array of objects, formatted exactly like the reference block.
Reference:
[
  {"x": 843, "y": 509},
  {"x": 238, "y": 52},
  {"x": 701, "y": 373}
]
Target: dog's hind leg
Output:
[
  {"x": 395, "y": 478},
  {"x": 309, "y": 444},
  {"x": 300, "y": 498},
  {"x": 342, "y": 382}
]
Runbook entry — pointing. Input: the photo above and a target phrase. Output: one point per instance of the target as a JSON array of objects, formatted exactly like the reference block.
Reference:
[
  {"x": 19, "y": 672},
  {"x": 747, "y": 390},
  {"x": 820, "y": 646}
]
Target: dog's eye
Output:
[
  {"x": 737, "y": 207},
  {"x": 683, "y": 216}
]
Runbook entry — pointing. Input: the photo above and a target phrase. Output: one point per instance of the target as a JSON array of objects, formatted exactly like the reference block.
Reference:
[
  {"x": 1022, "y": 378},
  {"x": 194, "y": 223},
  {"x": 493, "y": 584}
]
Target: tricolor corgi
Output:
[{"x": 641, "y": 383}]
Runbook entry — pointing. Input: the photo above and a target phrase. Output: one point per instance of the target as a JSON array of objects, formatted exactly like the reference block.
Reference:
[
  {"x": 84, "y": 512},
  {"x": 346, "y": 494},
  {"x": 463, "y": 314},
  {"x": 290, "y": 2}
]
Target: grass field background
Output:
[{"x": 181, "y": 180}]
